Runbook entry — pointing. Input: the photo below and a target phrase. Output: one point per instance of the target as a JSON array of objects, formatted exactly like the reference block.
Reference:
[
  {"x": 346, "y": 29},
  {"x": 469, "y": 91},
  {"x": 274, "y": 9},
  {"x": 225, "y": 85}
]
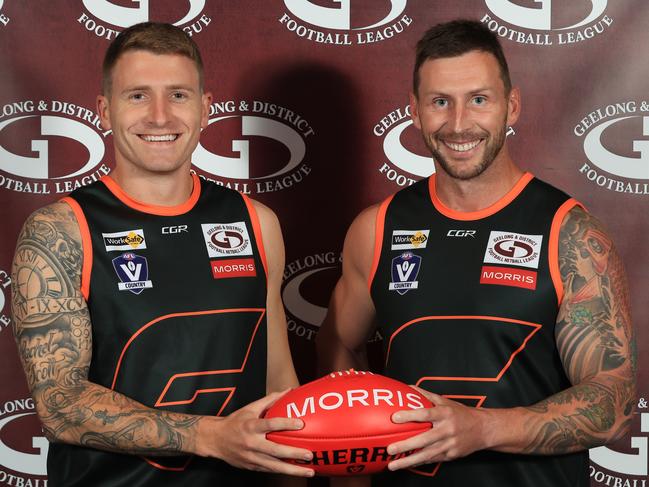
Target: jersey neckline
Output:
[
  {"x": 485, "y": 212},
  {"x": 180, "y": 209}
]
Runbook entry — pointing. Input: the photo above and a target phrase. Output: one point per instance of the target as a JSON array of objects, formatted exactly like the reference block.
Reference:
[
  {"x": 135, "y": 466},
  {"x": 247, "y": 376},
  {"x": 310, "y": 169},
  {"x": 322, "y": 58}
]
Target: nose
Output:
[
  {"x": 159, "y": 110},
  {"x": 460, "y": 118}
]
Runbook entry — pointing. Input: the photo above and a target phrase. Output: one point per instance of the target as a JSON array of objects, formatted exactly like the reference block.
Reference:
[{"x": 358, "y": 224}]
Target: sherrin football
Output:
[{"x": 347, "y": 421}]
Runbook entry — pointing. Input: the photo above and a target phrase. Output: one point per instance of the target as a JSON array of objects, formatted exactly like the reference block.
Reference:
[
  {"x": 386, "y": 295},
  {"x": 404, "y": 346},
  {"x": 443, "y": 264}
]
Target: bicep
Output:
[
  {"x": 593, "y": 331},
  {"x": 51, "y": 320}
]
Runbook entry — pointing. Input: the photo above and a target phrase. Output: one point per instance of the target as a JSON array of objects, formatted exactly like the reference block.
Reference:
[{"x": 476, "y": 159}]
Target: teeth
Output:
[
  {"x": 462, "y": 147},
  {"x": 159, "y": 138}
]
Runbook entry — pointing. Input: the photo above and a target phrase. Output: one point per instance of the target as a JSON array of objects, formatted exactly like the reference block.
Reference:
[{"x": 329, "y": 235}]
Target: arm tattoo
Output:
[
  {"x": 596, "y": 344},
  {"x": 53, "y": 333}
]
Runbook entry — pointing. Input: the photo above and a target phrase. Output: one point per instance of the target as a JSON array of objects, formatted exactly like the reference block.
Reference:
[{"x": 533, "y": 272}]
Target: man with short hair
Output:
[
  {"x": 146, "y": 306},
  {"x": 497, "y": 294}
]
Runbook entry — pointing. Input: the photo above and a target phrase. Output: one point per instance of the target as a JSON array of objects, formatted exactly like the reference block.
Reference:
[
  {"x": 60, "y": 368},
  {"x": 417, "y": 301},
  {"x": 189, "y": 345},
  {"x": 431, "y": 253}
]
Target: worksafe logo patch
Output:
[
  {"x": 548, "y": 22},
  {"x": 513, "y": 249},
  {"x": 106, "y": 18},
  {"x": 18, "y": 421},
  {"x": 333, "y": 24},
  {"x": 616, "y": 147},
  {"x": 38, "y": 141},
  {"x": 226, "y": 239},
  {"x": 128, "y": 240},
  {"x": 254, "y": 147},
  {"x": 409, "y": 239}
]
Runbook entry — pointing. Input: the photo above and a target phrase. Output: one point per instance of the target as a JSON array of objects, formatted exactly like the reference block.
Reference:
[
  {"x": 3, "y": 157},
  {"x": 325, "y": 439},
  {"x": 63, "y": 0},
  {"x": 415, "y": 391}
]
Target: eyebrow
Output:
[
  {"x": 148, "y": 88},
  {"x": 471, "y": 91}
]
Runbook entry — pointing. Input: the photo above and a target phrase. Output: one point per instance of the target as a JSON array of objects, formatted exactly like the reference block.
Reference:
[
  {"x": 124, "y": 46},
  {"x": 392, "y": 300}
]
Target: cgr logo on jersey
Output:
[
  {"x": 409, "y": 239},
  {"x": 5, "y": 282},
  {"x": 190, "y": 17},
  {"x": 128, "y": 240},
  {"x": 32, "y": 131},
  {"x": 405, "y": 269},
  {"x": 19, "y": 417},
  {"x": 262, "y": 167},
  {"x": 616, "y": 144},
  {"x": 226, "y": 239},
  {"x": 513, "y": 249},
  {"x": 404, "y": 167},
  {"x": 610, "y": 467},
  {"x": 580, "y": 20},
  {"x": 333, "y": 25},
  {"x": 4, "y": 20},
  {"x": 133, "y": 271}
]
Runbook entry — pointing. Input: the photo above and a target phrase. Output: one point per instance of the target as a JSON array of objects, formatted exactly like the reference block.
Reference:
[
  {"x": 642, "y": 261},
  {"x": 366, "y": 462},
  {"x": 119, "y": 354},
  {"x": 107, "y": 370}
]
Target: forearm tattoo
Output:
[
  {"x": 53, "y": 333},
  {"x": 596, "y": 344}
]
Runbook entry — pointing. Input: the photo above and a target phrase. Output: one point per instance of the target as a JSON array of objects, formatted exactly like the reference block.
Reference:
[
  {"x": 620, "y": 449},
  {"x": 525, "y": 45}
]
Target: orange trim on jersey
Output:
[
  {"x": 86, "y": 245},
  {"x": 484, "y": 213},
  {"x": 553, "y": 245},
  {"x": 181, "y": 209},
  {"x": 536, "y": 327},
  {"x": 256, "y": 228},
  {"x": 378, "y": 238},
  {"x": 175, "y": 315}
]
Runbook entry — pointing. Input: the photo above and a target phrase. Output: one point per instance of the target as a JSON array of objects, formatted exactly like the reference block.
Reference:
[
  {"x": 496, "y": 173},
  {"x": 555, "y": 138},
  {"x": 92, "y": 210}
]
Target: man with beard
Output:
[{"x": 497, "y": 294}]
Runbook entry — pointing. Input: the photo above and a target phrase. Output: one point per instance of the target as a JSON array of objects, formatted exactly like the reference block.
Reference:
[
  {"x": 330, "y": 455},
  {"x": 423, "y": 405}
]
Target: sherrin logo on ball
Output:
[{"x": 347, "y": 421}]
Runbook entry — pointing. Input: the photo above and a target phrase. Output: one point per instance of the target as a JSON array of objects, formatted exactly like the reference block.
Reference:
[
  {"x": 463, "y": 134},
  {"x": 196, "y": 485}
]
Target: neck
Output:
[
  {"x": 480, "y": 192},
  {"x": 166, "y": 189}
]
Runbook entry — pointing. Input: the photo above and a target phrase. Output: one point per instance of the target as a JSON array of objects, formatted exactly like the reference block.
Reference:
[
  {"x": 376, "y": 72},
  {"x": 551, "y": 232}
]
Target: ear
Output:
[
  {"x": 103, "y": 110},
  {"x": 414, "y": 110},
  {"x": 206, "y": 102},
  {"x": 513, "y": 106}
]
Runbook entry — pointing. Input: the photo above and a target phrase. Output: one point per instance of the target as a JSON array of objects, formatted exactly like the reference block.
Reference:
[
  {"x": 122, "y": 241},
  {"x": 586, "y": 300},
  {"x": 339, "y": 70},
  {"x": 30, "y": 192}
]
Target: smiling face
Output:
[
  {"x": 463, "y": 112},
  {"x": 155, "y": 109}
]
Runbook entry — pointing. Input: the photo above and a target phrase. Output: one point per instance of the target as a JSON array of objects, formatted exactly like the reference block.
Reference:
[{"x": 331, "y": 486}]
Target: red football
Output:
[{"x": 347, "y": 421}]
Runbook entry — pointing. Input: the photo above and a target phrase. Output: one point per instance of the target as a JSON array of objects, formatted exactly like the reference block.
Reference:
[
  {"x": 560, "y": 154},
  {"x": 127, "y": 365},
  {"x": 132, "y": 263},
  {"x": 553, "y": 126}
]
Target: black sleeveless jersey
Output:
[
  {"x": 177, "y": 302},
  {"x": 467, "y": 305}
]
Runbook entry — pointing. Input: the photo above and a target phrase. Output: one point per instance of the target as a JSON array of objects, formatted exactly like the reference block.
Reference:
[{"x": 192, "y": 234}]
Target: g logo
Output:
[
  {"x": 338, "y": 18},
  {"x": 239, "y": 167},
  {"x": 539, "y": 18},
  {"x": 626, "y": 463},
  {"x": 629, "y": 167},
  {"x": 127, "y": 16},
  {"x": 27, "y": 463},
  {"x": 38, "y": 167},
  {"x": 401, "y": 157}
]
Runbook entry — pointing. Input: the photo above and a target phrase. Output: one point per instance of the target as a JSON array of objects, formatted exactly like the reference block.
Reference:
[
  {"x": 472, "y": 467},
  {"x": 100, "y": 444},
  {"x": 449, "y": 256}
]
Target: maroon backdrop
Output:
[{"x": 310, "y": 117}]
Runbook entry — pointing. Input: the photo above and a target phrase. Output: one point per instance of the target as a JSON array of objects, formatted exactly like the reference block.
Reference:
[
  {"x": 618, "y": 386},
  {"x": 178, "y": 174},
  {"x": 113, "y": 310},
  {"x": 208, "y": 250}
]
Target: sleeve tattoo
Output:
[
  {"x": 596, "y": 344},
  {"x": 53, "y": 333}
]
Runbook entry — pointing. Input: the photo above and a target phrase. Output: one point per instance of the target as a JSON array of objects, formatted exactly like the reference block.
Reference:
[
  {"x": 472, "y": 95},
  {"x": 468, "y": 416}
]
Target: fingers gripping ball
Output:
[{"x": 347, "y": 421}]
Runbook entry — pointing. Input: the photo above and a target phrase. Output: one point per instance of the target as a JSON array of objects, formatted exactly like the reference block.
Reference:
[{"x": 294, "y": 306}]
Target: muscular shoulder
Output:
[{"x": 358, "y": 252}]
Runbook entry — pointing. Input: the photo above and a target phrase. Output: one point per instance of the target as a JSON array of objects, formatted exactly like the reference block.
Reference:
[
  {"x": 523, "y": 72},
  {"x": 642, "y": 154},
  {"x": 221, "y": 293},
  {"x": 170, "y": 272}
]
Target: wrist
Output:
[
  {"x": 501, "y": 428},
  {"x": 207, "y": 435}
]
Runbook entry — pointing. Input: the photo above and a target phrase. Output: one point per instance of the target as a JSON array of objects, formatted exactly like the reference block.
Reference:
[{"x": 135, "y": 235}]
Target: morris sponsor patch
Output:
[
  {"x": 409, "y": 239},
  {"x": 508, "y": 276},
  {"x": 513, "y": 249},
  {"x": 127, "y": 240},
  {"x": 225, "y": 268},
  {"x": 226, "y": 239},
  {"x": 405, "y": 268},
  {"x": 133, "y": 272}
]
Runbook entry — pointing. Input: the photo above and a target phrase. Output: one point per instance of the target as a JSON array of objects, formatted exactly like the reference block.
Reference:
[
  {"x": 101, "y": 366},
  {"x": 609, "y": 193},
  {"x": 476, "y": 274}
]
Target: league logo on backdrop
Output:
[
  {"x": 403, "y": 166},
  {"x": 610, "y": 467},
  {"x": 5, "y": 314},
  {"x": 307, "y": 280},
  {"x": 548, "y": 22},
  {"x": 333, "y": 24},
  {"x": 21, "y": 465},
  {"x": 616, "y": 147},
  {"x": 106, "y": 18},
  {"x": 4, "y": 20},
  {"x": 39, "y": 140},
  {"x": 253, "y": 147}
]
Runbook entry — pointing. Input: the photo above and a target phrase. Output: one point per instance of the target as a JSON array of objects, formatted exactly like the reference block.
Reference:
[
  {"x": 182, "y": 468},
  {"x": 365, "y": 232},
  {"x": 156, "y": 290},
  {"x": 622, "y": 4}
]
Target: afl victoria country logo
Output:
[
  {"x": 23, "y": 449},
  {"x": 616, "y": 146},
  {"x": 547, "y": 22},
  {"x": 105, "y": 18},
  {"x": 254, "y": 147},
  {"x": 333, "y": 24},
  {"x": 38, "y": 140},
  {"x": 403, "y": 166},
  {"x": 5, "y": 282},
  {"x": 308, "y": 283}
]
